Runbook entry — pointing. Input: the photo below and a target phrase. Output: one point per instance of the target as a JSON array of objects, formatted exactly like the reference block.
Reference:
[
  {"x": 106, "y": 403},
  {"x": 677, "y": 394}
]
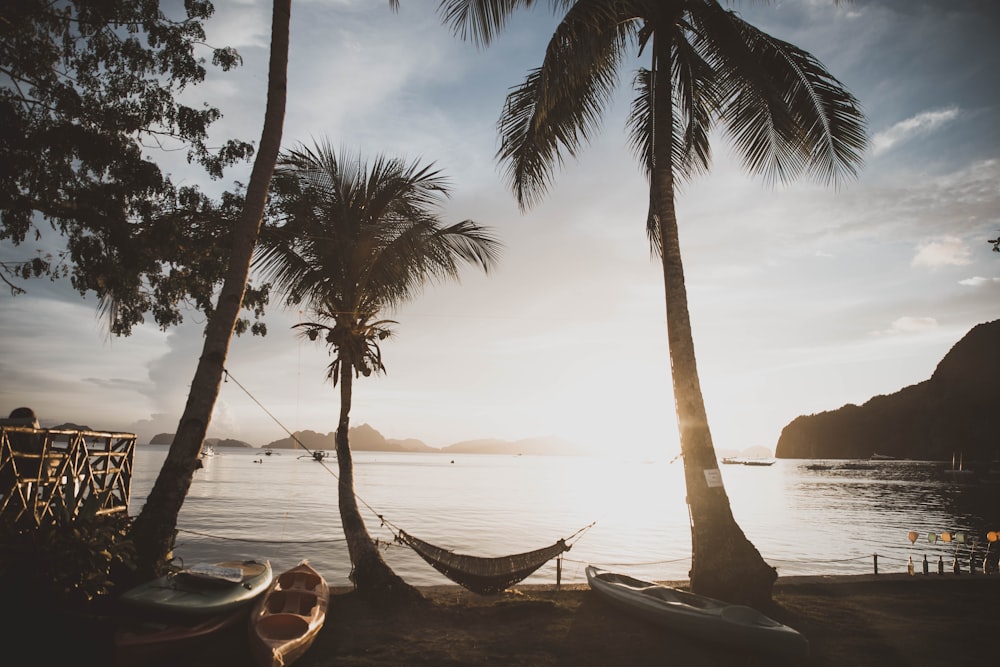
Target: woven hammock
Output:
[{"x": 485, "y": 576}]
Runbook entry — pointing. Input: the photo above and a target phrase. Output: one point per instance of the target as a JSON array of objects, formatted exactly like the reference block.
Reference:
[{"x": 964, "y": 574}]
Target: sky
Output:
[{"x": 803, "y": 297}]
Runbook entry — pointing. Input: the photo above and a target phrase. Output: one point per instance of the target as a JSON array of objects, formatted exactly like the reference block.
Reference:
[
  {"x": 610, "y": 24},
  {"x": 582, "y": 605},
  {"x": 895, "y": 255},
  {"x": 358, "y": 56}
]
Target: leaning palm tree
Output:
[
  {"x": 352, "y": 241},
  {"x": 785, "y": 113},
  {"x": 155, "y": 527}
]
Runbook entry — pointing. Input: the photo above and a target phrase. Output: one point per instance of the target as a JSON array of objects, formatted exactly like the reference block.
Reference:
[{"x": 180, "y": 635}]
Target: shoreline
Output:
[{"x": 858, "y": 620}]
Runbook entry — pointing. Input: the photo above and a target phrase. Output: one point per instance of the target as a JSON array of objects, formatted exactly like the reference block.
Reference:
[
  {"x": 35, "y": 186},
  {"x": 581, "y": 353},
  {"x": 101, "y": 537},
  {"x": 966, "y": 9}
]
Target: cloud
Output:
[
  {"x": 909, "y": 325},
  {"x": 947, "y": 251},
  {"x": 978, "y": 281},
  {"x": 919, "y": 125}
]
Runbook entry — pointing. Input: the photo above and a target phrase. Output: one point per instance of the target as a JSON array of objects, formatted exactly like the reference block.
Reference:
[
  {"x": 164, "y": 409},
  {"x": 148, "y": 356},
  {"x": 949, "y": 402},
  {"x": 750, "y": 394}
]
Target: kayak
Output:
[
  {"x": 696, "y": 615},
  {"x": 202, "y": 590},
  {"x": 286, "y": 619},
  {"x": 142, "y": 642}
]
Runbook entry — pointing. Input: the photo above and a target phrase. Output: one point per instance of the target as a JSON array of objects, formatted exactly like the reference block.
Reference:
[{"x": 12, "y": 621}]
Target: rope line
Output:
[
  {"x": 331, "y": 540},
  {"x": 258, "y": 540},
  {"x": 266, "y": 411},
  {"x": 393, "y": 528}
]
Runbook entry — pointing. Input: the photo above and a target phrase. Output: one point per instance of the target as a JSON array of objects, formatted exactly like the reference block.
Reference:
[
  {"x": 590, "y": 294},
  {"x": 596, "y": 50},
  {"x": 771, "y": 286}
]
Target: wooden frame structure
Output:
[{"x": 45, "y": 473}]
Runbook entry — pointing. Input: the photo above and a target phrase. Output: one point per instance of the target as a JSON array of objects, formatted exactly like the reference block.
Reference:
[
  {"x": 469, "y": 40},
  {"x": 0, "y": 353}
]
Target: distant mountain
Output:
[
  {"x": 69, "y": 426},
  {"x": 167, "y": 438},
  {"x": 755, "y": 452},
  {"x": 954, "y": 411},
  {"x": 228, "y": 442},
  {"x": 363, "y": 438},
  {"x": 541, "y": 446},
  {"x": 311, "y": 440}
]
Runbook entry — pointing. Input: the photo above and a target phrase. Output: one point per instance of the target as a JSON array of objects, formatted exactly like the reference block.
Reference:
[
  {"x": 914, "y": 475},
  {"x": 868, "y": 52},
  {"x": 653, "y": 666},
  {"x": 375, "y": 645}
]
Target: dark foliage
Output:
[
  {"x": 68, "y": 562},
  {"x": 88, "y": 91}
]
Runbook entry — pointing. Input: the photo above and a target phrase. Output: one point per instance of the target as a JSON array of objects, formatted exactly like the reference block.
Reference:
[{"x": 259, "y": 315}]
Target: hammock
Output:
[{"x": 485, "y": 576}]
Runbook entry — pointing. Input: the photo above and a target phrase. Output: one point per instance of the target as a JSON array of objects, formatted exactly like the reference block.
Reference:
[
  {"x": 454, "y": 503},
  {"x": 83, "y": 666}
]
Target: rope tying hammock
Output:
[{"x": 485, "y": 576}]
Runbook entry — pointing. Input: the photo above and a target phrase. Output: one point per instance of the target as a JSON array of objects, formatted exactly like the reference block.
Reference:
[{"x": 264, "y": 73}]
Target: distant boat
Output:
[
  {"x": 883, "y": 457},
  {"x": 743, "y": 460},
  {"x": 207, "y": 450},
  {"x": 856, "y": 465},
  {"x": 758, "y": 462},
  {"x": 960, "y": 472}
]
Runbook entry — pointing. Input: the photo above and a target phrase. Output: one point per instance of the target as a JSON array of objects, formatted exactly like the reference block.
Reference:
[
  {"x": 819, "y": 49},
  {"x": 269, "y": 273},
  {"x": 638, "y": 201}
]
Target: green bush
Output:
[{"x": 68, "y": 561}]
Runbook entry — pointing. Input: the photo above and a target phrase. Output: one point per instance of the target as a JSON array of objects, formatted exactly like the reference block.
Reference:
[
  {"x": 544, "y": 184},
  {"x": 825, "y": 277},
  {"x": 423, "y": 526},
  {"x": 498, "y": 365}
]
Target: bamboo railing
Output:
[{"x": 45, "y": 473}]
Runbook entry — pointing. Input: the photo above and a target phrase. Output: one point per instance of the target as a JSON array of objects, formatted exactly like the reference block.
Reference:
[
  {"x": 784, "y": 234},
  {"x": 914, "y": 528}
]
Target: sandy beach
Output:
[{"x": 878, "y": 620}]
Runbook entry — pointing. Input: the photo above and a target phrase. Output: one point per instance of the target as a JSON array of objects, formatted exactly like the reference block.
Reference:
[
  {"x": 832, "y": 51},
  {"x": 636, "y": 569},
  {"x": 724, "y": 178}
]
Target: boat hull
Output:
[
  {"x": 285, "y": 621},
  {"x": 140, "y": 643},
  {"x": 181, "y": 594},
  {"x": 696, "y": 615}
]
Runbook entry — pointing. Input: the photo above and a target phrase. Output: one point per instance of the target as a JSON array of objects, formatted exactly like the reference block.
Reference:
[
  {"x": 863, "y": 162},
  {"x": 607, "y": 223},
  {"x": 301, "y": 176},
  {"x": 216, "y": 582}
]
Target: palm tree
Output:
[
  {"x": 353, "y": 241},
  {"x": 154, "y": 528},
  {"x": 785, "y": 113}
]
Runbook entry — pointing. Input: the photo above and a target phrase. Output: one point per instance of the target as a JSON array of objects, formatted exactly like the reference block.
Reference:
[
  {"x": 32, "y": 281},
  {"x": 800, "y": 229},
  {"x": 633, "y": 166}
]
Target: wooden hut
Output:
[{"x": 46, "y": 471}]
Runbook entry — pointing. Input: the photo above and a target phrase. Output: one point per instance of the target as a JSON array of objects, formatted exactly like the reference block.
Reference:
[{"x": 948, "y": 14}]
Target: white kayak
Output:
[{"x": 697, "y": 615}]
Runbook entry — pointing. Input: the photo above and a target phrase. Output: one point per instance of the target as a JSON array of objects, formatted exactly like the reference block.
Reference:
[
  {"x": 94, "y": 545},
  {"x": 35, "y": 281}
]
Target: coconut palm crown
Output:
[
  {"x": 350, "y": 240},
  {"x": 783, "y": 112}
]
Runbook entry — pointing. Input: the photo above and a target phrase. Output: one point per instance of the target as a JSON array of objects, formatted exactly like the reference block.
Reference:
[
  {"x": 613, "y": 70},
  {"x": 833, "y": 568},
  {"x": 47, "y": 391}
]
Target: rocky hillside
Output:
[
  {"x": 549, "y": 446},
  {"x": 167, "y": 438},
  {"x": 956, "y": 410},
  {"x": 363, "y": 438}
]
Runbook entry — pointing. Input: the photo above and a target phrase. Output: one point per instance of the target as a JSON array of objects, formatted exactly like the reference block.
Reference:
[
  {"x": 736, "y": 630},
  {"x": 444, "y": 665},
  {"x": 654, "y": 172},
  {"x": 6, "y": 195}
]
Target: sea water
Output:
[{"x": 805, "y": 517}]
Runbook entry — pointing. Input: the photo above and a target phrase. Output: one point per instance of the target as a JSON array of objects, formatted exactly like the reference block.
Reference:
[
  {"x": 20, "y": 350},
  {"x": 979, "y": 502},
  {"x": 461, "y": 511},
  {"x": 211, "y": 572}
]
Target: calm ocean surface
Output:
[{"x": 803, "y": 521}]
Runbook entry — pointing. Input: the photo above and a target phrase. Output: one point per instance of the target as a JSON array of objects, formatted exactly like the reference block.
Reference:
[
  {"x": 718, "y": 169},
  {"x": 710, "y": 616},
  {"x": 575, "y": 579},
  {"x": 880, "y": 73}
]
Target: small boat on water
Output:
[
  {"x": 747, "y": 461},
  {"x": 201, "y": 590},
  {"x": 697, "y": 615},
  {"x": 285, "y": 621},
  {"x": 960, "y": 472}
]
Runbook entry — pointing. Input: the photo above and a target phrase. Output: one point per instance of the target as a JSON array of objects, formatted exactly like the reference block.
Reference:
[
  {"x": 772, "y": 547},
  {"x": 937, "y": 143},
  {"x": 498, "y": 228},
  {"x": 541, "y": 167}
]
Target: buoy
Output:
[{"x": 913, "y": 535}]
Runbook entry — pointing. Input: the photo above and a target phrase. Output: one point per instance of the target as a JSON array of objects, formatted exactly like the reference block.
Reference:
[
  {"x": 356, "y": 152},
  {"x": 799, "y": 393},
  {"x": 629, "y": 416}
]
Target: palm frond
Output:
[
  {"x": 482, "y": 20},
  {"x": 784, "y": 111},
  {"x": 351, "y": 238},
  {"x": 561, "y": 104}
]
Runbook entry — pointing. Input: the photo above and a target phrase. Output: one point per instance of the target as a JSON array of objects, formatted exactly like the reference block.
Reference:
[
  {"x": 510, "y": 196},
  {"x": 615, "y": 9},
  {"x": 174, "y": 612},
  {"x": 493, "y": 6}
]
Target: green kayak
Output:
[{"x": 202, "y": 589}]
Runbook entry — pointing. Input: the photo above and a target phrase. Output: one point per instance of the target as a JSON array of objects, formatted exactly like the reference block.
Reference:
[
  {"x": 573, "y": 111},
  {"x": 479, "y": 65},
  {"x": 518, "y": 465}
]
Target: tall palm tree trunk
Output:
[
  {"x": 724, "y": 564},
  {"x": 369, "y": 571},
  {"x": 155, "y": 527}
]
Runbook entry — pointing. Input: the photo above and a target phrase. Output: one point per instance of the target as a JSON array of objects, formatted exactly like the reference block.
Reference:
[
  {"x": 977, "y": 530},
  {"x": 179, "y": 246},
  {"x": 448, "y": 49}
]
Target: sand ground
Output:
[{"x": 886, "y": 620}]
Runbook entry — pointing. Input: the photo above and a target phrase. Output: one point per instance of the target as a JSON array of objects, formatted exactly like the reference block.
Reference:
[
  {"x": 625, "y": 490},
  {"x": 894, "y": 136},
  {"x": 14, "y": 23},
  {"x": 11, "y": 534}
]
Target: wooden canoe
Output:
[
  {"x": 285, "y": 621},
  {"x": 197, "y": 593},
  {"x": 696, "y": 615}
]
